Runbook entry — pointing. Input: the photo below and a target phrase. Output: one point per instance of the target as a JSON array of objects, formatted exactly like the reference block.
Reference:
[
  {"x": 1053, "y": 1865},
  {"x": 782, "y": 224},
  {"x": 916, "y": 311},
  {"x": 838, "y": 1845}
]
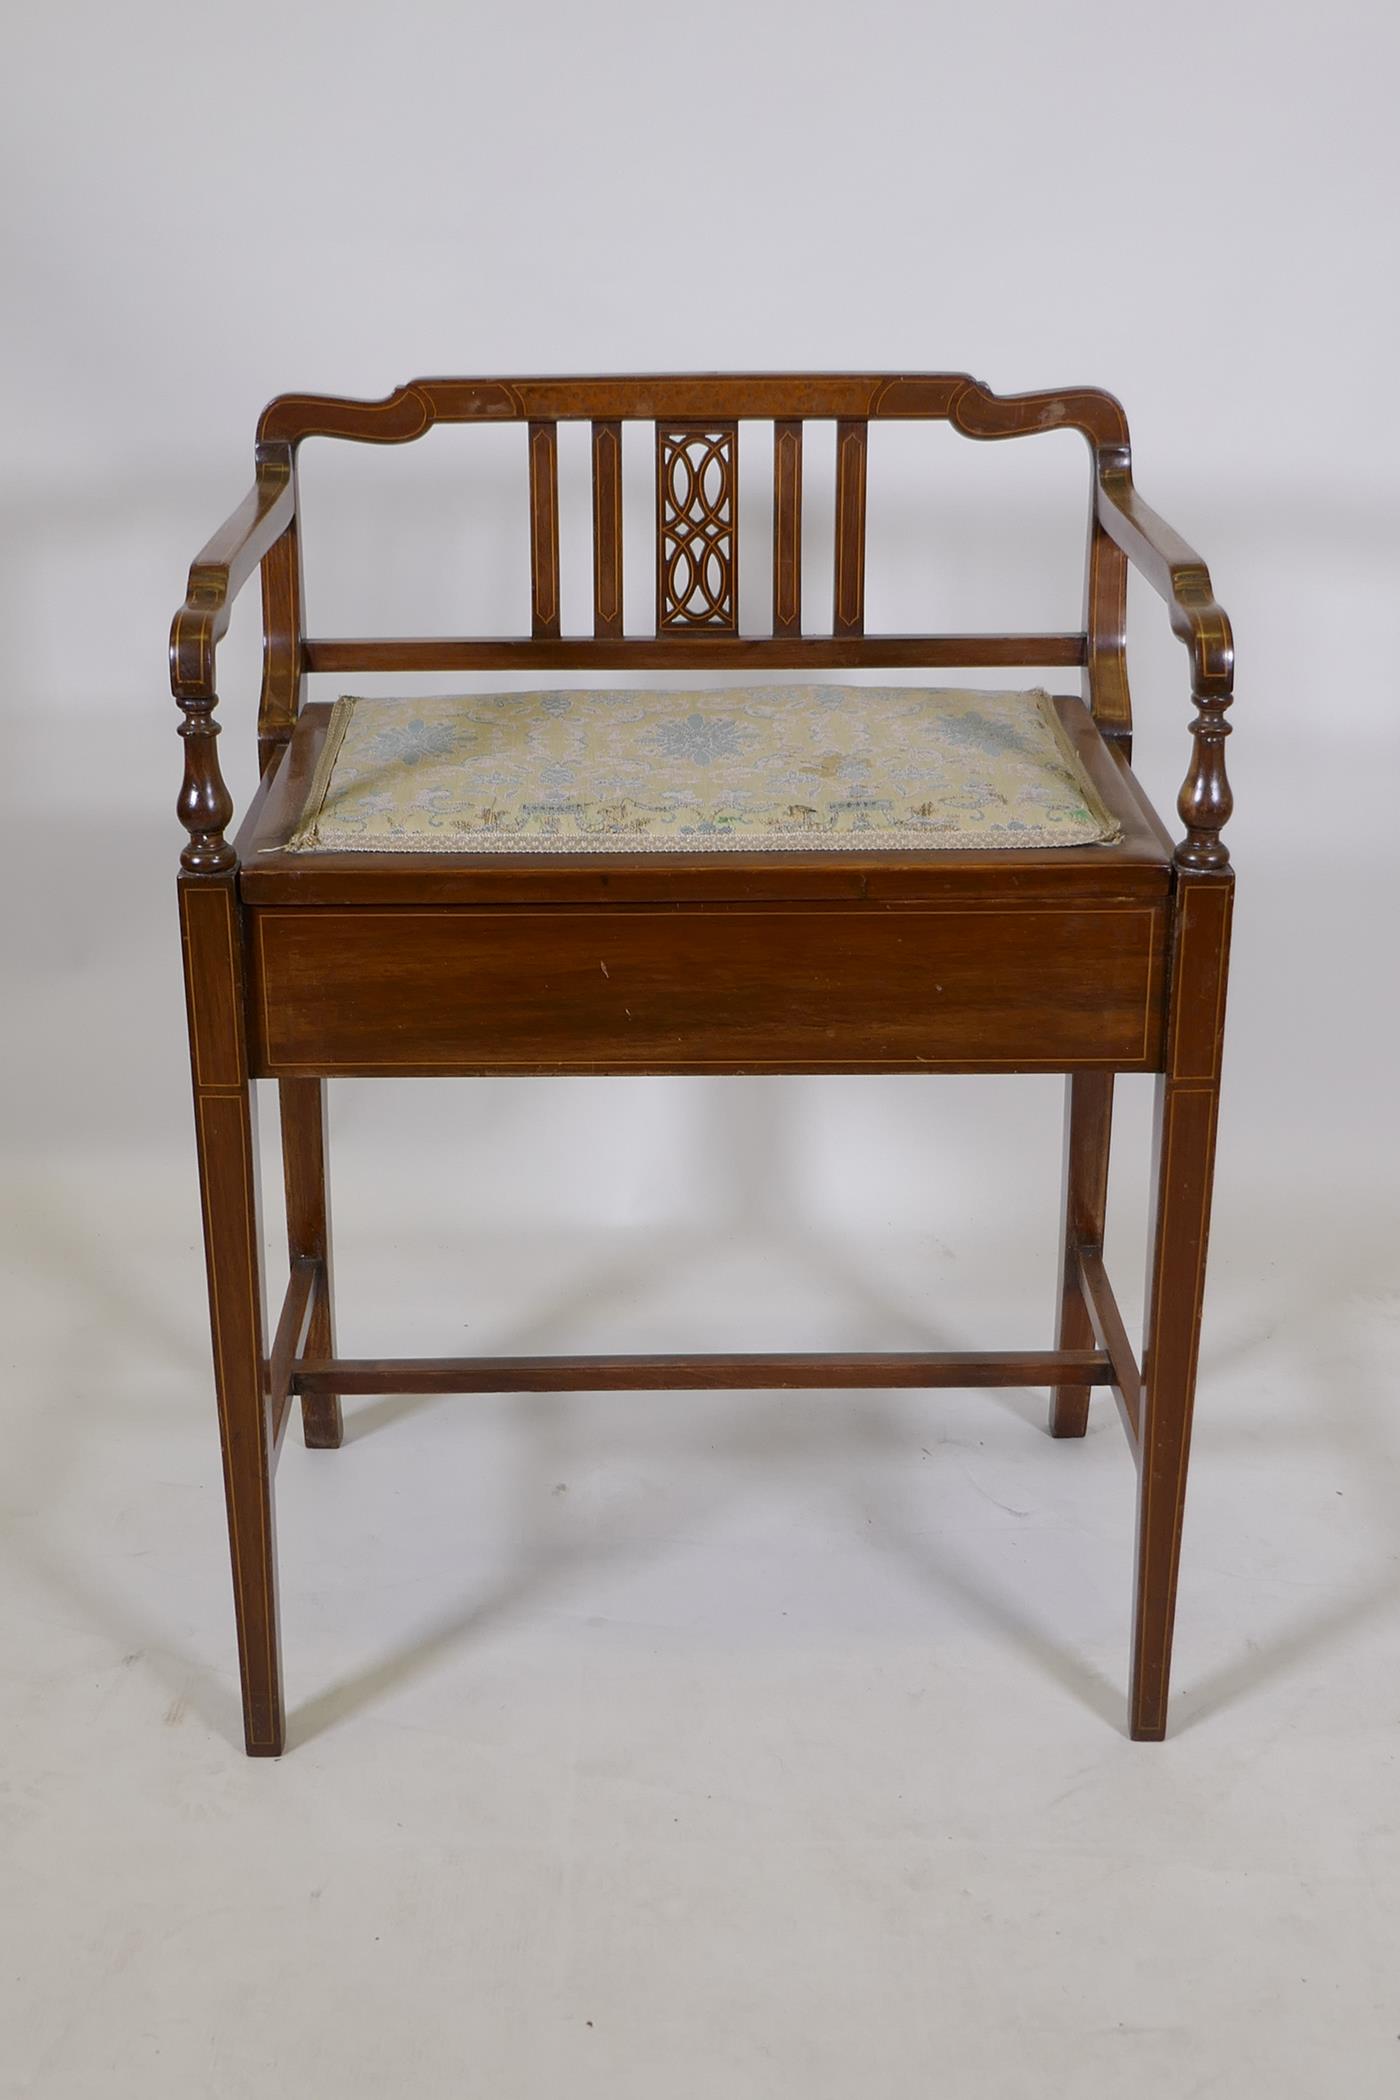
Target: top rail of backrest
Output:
[{"x": 956, "y": 397}]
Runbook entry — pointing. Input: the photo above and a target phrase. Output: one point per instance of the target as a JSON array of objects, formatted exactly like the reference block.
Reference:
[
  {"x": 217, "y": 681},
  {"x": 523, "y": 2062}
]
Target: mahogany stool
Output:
[{"x": 844, "y": 927}]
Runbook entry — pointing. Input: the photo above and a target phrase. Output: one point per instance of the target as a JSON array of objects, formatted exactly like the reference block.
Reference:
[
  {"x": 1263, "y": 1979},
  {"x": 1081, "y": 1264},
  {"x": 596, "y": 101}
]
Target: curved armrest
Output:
[
  {"x": 1177, "y": 573},
  {"x": 217, "y": 574}
]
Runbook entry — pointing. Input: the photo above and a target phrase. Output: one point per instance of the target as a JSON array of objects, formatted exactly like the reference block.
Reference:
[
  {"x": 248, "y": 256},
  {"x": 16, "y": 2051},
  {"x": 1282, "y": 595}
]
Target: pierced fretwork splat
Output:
[{"x": 697, "y": 527}]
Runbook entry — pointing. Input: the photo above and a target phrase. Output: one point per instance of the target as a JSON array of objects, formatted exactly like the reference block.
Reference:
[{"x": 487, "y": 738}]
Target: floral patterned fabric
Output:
[{"x": 824, "y": 767}]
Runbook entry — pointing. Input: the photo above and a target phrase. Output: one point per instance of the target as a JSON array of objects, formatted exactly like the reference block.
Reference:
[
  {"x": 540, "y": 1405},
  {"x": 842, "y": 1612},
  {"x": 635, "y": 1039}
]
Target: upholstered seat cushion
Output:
[{"x": 825, "y": 767}]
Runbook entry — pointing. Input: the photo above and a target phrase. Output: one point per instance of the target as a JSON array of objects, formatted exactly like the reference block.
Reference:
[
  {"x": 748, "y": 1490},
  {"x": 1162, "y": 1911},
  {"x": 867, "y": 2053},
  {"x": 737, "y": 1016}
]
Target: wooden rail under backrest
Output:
[{"x": 696, "y": 421}]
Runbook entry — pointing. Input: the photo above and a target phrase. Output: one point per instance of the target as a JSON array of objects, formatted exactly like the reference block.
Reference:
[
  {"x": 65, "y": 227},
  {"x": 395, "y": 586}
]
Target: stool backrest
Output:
[{"x": 696, "y": 424}]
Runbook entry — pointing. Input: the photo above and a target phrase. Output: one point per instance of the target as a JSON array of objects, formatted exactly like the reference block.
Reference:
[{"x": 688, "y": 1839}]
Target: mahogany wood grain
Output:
[
  {"x": 219, "y": 571},
  {"x": 705, "y": 1374},
  {"x": 544, "y": 530},
  {"x": 1179, "y": 576},
  {"x": 303, "y": 1111},
  {"x": 1106, "y": 636},
  {"x": 697, "y": 527},
  {"x": 1088, "y": 1124},
  {"x": 1174, "y": 569},
  {"x": 1091, "y": 961},
  {"x": 787, "y": 527},
  {"x": 291, "y": 1342},
  {"x": 226, "y": 1142},
  {"x": 691, "y": 649},
  {"x": 849, "y": 594},
  {"x": 1107, "y": 1329},
  {"x": 730, "y": 989},
  {"x": 1188, "y": 1094},
  {"x": 1120, "y": 522},
  {"x": 607, "y": 530},
  {"x": 698, "y": 397},
  {"x": 284, "y": 668}
]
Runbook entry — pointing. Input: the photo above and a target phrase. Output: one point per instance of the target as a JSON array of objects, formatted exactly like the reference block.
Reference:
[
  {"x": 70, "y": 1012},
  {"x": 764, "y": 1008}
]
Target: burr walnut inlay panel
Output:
[{"x": 697, "y": 527}]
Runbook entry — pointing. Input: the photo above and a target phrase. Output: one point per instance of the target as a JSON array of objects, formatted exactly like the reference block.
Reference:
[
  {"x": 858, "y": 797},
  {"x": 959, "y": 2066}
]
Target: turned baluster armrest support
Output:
[
  {"x": 217, "y": 574},
  {"x": 1177, "y": 573}
]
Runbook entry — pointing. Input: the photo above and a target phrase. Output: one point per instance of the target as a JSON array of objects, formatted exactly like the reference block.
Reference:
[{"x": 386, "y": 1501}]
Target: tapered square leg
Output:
[
  {"x": 1184, "y": 1156},
  {"x": 226, "y": 1137},
  {"x": 303, "y": 1109},
  {"x": 1088, "y": 1127}
]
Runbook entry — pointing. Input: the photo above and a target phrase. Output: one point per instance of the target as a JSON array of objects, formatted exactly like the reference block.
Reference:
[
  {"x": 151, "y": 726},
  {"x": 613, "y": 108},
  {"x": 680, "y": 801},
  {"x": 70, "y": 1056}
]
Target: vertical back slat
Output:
[
  {"x": 787, "y": 528},
  {"x": 284, "y": 680},
  {"x": 607, "y": 529},
  {"x": 849, "y": 614},
  {"x": 1105, "y": 626},
  {"x": 544, "y": 529}
]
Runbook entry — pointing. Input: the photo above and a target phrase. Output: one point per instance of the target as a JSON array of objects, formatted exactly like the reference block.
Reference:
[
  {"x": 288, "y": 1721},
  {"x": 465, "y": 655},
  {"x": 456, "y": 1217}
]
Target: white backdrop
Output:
[
  {"x": 1194, "y": 206},
  {"x": 1194, "y": 210}
]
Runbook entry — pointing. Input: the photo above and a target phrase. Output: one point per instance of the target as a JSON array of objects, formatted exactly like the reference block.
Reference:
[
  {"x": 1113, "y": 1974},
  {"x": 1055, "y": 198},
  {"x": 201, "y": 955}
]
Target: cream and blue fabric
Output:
[{"x": 756, "y": 768}]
